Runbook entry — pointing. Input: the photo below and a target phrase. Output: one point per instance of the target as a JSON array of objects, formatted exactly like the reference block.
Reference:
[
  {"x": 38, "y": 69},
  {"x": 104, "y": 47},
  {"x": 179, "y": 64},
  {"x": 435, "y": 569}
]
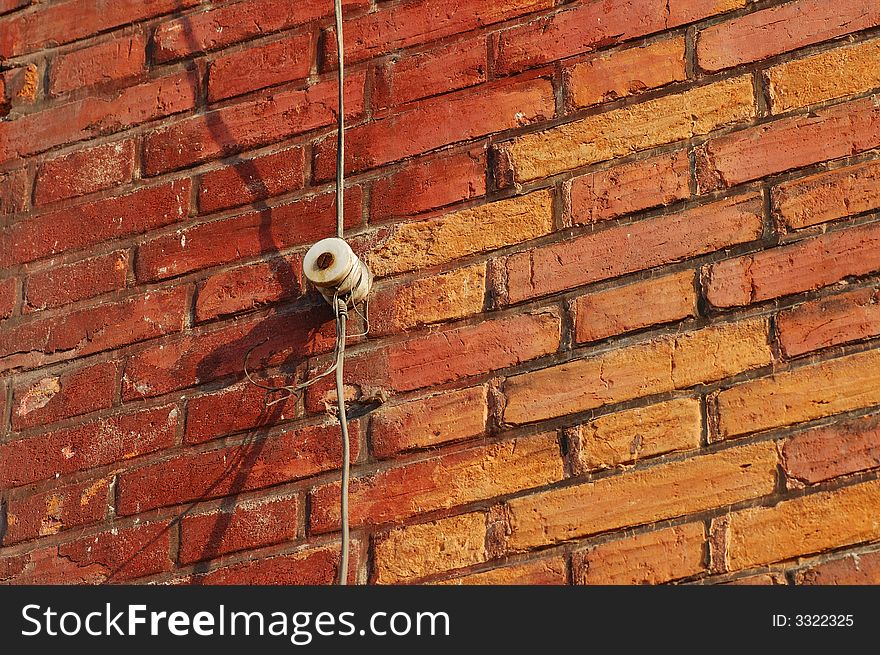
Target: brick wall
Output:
[{"x": 626, "y": 317}]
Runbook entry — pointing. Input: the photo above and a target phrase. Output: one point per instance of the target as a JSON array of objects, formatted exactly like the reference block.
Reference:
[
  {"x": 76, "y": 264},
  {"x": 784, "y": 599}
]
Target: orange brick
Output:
[
  {"x": 626, "y": 72},
  {"x": 802, "y": 266},
  {"x": 824, "y": 453},
  {"x": 651, "y": 558},
  {"x": 628, "y": 188},
  {"x": 641, "y": 497},
  {"x": 621, "y": 132},
  {"x": 420, "y": 244},
  {"x": 417, "y": 551},
  {"x": 804, "y": 394},
  {"x": 855, "y": 569},
  {"x": 827, "y": 196},
  {"x": 628, "y": 248},
  {"x": 663, "y": 364},
  {"x": 635, "y": 306},
  {"x": 456, "y": 294},
  {"x": 442, "y": 482},
  {"x": 633, "y": 434},
  {"x": 804, "y": 526},
  {"x": 828, "y": 75},
  {"x": 550, "y": 571},
  {"x": 431, "y": 421},
  {"x": 830, "y": 321}
]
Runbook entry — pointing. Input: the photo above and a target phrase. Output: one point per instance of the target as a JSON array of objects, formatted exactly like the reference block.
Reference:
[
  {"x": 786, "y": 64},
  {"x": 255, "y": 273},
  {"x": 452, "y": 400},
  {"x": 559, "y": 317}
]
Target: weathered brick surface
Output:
[
  {"x": 656, "y": 366},
  {"x": 804, "y": 526},
  {"x": 804, "y": 394},
  {"x": 629, "y": 188},
  {"x": 633, "y": 434},
  {"x": 629, "y": 248},
  {"x": 825, "y": 453},
  {"x": 654, "y": 494},
  {"x": 623, "y": 131},
  {"x": 649, "y": 302},
  {"x": 651, "y": 558},
  {"x": 250, "y": 524},
  {"x": 775, "y": 30},
  {"x": 625, "y": 73},
  {"x": 419, "y": 550},
  {"x": 607, "y": 236},
  {"x": 431, "y": 421},
  {"x": 803, "y": 266},
  {"x": 827, "y": 196},
  {"x": 442, "y": 482}
]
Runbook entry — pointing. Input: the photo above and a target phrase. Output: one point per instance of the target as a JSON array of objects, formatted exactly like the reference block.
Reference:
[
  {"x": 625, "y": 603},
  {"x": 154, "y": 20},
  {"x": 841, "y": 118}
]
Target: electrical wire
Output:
[{"x": 340, "y": 121}]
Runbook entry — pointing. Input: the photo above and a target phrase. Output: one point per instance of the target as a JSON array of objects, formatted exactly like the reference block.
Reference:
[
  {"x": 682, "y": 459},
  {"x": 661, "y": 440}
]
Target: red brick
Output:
[
  {"x": 258, "y": 232},
  {"x": 235, "y": 22},
  {"x": 98, "y": 443},
  {"x": 837, "y": 131},
  {"x": 253, "y": 465},
  {"x": 278, "y": 62},
  {"x": 11, "y": 5},
  {"x": 252, "y": 180},
  {"x": 245, "y": 525},
  {"x": 249, "y": 124},
  {"x": 86, "y": 225},
  {"x": 310, "y": 567},
  {"x": 60, "y": 285},
  {"x": 8, "y": 297},
  {"x": 55, "y": 397},
  {"x": 14, "y": 191},
  {"x": 629, "y": 248},
  {"x": 827, "y": 196},
  {"x": 630, "y": 188},
  {"x": 120, "y": 58},
  {"x": 855, "y": 569},
  {"x": 440, "y": 419},
  {"x": 648, "y": 302},
  {"x": 830, "y": 321},
  {"x": 209, "y": 355},
  {"x": 592, "y": 25},
  {"x": 21, "y": 86},
  {"x": 429, "y": 183},
  {"x": 419, "y": 21},
  {"x": 448, "y": 68},
  {"x": 96, "y": 115},
  {"x": 547, "y": 571},
  {"x": 60, "y": 509},
  {"x": 460, "y": 116},
  {"x": 39, "y": 340},
  {"x": 442, "y": 482},
  {"x": 625, "y": 73},
  {"x": 84, "y": 171},
  {"x": 116, "y": 555},
  {"x": 248, "y": 287},
  {"x": 237, "y": 408},
  {"x": 847, "y": 447},
  {"x": 448, "y": 355},
  {"x": 802, "y": 266},
  {"x": 70, "y": 20},
  {"x": 771, "y": 32}
]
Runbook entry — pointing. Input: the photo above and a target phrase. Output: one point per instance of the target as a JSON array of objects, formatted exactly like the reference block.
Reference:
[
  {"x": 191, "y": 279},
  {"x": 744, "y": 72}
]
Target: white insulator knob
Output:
[{"x": 332, "y": 266}]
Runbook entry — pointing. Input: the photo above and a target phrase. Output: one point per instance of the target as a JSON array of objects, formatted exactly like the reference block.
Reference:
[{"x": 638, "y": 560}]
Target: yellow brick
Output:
[
  {"x": 420, "y": 550},
  {"x": 441, "y": 297},
  {"x": 623, "y": 131},
  {"x": 626, "y": 436},
  {"x": 421, "y": 244},
  {"x": 636, "y": 498},
  {"x": 805, "y": 526},
  {"x": 541, "y": 572},
  {"x": 828, "y": 75},
  {"x": 664, "y": 364},
  {"x": 652, "y": 558},
  {"x": 801, "y": 395}
]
